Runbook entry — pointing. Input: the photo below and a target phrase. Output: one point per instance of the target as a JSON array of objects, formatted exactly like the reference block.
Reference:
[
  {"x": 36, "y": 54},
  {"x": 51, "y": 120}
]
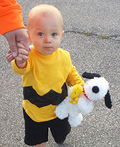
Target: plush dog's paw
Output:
[
  {"x": 75, "y": 121},
  {"x": 61, "y": 112}
]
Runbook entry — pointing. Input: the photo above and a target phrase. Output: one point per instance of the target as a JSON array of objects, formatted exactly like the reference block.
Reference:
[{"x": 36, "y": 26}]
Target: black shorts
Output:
[{"x": 37, "y": 133}]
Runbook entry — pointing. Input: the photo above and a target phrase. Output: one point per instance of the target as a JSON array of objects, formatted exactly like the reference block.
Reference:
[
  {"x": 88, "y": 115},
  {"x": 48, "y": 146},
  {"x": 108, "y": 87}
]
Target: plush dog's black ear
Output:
[
  {"x": 108, "y": 101},
  {"x": 90, "y": 75}
]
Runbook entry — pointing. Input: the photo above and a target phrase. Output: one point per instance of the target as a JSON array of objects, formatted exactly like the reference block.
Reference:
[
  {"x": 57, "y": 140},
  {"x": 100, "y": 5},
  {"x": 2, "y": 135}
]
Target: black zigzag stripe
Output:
[{"x": 51, "y": 97}]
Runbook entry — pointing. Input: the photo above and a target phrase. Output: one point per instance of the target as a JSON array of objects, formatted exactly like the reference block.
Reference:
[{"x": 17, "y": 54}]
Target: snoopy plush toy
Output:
[{"x": 80, "y": 99}]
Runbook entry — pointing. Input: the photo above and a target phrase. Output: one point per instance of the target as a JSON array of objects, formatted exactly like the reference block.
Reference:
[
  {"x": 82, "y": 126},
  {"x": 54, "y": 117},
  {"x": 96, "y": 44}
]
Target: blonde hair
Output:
[{"x": 44, "y": 9}]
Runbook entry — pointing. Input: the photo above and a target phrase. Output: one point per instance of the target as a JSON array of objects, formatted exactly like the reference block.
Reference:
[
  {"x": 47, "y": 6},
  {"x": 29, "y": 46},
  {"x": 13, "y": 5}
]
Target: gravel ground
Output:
[{"x": 92, "y": 36}]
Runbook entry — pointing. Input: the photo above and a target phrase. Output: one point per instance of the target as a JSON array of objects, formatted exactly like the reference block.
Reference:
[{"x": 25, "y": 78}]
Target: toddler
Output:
[{"x": 45, "y": 72}]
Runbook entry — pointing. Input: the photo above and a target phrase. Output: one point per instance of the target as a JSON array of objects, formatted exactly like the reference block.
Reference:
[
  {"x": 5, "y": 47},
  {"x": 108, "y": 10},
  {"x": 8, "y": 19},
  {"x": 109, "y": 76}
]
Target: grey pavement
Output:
[{"x": 92, "y": 36}]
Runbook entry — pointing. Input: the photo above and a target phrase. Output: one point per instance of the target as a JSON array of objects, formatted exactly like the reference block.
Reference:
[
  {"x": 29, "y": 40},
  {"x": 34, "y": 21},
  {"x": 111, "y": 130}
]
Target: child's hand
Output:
[{"x": 22, "y": 55}]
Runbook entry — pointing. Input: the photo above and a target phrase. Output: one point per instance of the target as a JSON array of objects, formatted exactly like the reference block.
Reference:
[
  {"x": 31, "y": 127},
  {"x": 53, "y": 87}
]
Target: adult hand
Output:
[
  {"x": 14, "y": 37},
  {"x": 22, "y": 53}
]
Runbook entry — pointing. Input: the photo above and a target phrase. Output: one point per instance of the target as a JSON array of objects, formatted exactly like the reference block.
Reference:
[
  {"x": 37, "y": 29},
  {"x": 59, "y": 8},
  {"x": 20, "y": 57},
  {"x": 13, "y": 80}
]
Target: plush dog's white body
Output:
[
  {"x": 95, "y": 89},
  {"x": 67, "y": 109}
]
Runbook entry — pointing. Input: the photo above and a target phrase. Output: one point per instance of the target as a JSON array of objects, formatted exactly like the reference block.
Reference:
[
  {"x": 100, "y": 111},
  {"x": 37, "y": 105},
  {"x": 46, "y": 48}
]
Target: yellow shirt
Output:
[{"x": 44, "y": 77}]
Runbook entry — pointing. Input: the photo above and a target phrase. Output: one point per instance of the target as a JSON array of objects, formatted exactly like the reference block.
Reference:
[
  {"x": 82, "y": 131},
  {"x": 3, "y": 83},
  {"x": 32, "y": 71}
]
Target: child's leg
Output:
[
  {"x": 36, "y": 134},
  {"x": 41, "y": 145},
  {"x": 60, "y": 129}
]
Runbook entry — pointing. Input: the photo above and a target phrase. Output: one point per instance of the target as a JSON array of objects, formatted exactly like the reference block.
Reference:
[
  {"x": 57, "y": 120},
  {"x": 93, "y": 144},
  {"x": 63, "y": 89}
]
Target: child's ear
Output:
[
  {"x": 62, "y": 35},
  {"x": 29, "y": 36}
]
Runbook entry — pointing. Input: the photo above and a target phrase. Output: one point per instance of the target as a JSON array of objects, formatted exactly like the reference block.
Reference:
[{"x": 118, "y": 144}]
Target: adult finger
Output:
[
  {"x": 20, "y": 45},
  {"x": 23, "y": 57},
  {"x": 9, "y": 57},
  {"x": 23, "y": 51},
  {"x": 9, "y": 51},
  {"x": 18, "y": 58}
]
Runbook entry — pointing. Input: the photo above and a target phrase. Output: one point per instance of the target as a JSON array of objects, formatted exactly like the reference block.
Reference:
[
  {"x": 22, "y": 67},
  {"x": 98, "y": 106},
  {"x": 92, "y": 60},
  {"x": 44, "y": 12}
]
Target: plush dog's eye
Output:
[{"x": 95, "y": 89}]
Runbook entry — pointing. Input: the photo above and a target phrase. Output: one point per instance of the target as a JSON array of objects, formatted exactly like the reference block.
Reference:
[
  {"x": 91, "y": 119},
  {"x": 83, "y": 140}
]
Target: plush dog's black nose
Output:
[{"x": 95, "y": 89}]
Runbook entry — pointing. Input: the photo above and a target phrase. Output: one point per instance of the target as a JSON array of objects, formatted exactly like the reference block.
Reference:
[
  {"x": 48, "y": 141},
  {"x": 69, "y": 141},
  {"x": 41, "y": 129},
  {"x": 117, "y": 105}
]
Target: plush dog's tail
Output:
[{"x": 90, "y": 75}]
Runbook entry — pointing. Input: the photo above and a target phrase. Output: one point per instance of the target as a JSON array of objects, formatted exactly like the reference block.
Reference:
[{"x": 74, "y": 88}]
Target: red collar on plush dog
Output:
[{"x": 85, "y": 93}]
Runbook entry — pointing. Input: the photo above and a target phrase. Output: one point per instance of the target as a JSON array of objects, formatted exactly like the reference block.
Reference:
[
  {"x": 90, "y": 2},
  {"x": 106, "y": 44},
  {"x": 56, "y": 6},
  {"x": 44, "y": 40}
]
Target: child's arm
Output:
[{"x": 74, "y": 78}]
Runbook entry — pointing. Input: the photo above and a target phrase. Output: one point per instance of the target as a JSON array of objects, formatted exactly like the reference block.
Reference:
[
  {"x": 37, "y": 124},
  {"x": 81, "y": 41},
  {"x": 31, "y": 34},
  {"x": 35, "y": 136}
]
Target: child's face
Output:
[{"x": 46, "y": 33}]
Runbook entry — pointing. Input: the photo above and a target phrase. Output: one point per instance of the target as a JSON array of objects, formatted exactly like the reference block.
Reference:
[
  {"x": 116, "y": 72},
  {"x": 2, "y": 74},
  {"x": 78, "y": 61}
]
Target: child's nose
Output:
[{"x": 47, "y": 39}]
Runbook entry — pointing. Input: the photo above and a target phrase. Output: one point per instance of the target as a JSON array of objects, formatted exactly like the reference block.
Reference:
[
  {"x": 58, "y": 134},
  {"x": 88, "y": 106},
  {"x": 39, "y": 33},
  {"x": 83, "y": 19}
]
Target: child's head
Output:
[{"x": 45, "y": 28}]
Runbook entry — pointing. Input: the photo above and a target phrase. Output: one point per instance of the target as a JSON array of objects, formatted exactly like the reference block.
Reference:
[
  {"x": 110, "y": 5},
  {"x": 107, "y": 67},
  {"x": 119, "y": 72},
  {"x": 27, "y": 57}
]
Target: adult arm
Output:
[{"x": 11, "y": 26}]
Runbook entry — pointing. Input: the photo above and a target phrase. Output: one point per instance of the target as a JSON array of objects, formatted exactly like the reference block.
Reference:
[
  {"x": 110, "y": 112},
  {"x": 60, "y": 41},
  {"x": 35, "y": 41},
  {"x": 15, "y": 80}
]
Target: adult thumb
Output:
[
  {"x": 13, "y": 48},
  {"x": 10, "y": 36}
]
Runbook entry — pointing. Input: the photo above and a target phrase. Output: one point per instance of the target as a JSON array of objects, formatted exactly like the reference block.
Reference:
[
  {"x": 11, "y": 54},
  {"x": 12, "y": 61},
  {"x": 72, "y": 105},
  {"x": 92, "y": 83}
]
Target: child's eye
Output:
[
  {"x": 40, "y": 34},
  {"x": 54, "y": 34}
]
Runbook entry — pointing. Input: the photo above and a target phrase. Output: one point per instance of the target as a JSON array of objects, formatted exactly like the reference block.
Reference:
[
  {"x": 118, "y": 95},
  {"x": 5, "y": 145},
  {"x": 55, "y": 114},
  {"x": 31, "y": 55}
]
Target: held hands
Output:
[
  {"x": 22, "y": 56},
  {"x": 14, "y": 37}
]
